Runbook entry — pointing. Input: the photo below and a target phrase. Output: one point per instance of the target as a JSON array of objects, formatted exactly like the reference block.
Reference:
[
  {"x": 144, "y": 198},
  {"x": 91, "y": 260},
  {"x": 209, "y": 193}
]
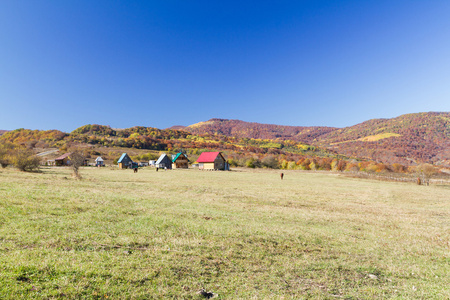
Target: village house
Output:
[
  {"x": 180, "y": 161},
  {"x": 164, "y": 162},
  {"x": 125, "y": 162},
  {"x": 63, "y": 160},
  {"x": 99, "y": 162},
  {"x": 212, "y": 161}
]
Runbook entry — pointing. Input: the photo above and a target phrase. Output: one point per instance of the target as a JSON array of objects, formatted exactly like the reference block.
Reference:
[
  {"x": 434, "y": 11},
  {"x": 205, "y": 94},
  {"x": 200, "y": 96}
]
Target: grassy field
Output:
[{"x": 240, "y": 234}]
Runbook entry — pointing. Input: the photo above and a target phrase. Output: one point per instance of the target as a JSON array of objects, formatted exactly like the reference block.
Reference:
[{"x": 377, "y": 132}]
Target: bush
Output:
[
  {"x": 253, "y": 163},
  {"x": 77, "y": 159},
  {"x": 291, "y": 165},
  {"x": 25, "y": 160},
  {"x": 425, "y": 172},
  {"x": 5, "y": 150},
  {"x": 270, "y": 162},
  {"x": 233, "y": 162}
]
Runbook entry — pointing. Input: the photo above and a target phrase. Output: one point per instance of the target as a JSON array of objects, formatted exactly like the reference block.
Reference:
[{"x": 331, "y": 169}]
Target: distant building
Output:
[
  {"x": 164, "y": 162},
  {"x": 180, "y": 161},
  {"x": 99, "y": 162},
  {"x": 152, "y": 163},
  {"x": 143, "y": 164},
  {"x": 63, "y": 160},
  {"x": 125, "y": 162},
  {"x": 212, "y": 161}
]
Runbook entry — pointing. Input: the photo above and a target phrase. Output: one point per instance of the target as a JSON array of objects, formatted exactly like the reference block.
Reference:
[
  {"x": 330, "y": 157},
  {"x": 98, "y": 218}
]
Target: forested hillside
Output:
[
  {"x": 407, "y": 139},
  {"x": 421, "y": 137},
  {"x": 240, "y": 151},
  {"x": 243, "y": 129}
]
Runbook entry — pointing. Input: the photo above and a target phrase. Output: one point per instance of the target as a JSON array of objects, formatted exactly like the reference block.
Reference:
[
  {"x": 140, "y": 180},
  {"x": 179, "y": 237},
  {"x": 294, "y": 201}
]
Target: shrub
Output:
[
  {"x": 253, "y": 163},
  {"x": 5, "y": 150},
  {"x": 25, "y": 160},
  {"x": 425, "y": 172},
  {"x": 233, "y": 162},
  {"x": 270, "y": 162},
  {"x": 77, "y": 159}
]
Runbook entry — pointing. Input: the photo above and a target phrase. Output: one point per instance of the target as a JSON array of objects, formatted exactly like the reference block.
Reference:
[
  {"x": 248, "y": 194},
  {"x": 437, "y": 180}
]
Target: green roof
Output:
[{"x": 176, "y": 157}]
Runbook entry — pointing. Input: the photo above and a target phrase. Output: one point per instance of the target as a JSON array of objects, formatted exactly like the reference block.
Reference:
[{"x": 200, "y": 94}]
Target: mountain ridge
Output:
[{"x": 407, "y": 139}]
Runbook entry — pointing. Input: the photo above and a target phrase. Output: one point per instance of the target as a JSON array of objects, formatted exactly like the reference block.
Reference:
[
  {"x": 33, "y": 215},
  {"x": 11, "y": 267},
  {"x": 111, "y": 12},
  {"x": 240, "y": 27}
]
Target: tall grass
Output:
[{"x": 240, "y": 234}]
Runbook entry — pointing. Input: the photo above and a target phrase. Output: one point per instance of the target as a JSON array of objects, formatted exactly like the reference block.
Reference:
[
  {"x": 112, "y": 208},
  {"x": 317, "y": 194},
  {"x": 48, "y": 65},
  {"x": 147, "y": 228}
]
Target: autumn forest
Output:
[{"x": 379, "y": 145}]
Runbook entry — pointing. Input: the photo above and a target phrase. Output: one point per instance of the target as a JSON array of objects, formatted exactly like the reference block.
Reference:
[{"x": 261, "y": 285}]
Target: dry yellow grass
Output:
[
  {"x": 377, "y": 137},
  {"x": 241, "y": 234}
]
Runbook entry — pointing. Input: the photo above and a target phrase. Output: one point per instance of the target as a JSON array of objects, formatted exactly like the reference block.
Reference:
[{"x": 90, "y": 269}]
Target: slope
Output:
[
  {"x": 407, "y": 139},
  {"x": 242, "y": 129}
]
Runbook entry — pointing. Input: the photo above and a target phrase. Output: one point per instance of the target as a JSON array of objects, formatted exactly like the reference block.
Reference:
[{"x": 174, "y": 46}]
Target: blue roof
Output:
[{"x": 122, "y": 157}]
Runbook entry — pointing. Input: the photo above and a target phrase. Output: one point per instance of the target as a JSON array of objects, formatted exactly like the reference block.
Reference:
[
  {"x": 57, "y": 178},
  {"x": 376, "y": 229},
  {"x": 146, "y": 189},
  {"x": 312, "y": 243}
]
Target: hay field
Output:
[{"x": 239, "y": 234}]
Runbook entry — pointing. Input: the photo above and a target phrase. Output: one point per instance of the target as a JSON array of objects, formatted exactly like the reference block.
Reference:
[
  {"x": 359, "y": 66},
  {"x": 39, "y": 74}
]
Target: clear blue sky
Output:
[{"x": 64, "y": 64}]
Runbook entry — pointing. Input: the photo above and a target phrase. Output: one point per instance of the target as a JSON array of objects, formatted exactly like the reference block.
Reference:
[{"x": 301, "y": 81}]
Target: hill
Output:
[
  {"x": 410, "y": 138},
  {"x": 407, "y": 139},
  {"x": 3, "y": 131},
  {"x": 177, "y": 127},
  {"x": 243, "y": 129},
  {"x": 106, "y": 141}
]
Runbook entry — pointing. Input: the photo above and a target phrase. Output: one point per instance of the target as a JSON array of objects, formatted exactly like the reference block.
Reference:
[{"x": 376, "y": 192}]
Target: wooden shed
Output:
[
  {"x": 164, "y": 162},
  {"x": 212, "y": 161},
  {"x": 99, "y": 162},
  {"x": 180, "y": 161},
  {"x": 125, "y": 161}
]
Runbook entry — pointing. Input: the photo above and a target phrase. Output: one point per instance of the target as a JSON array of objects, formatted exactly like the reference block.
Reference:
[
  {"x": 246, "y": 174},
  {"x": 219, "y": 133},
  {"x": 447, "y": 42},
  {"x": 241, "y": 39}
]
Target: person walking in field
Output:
[{"x": 281, "y": 175}]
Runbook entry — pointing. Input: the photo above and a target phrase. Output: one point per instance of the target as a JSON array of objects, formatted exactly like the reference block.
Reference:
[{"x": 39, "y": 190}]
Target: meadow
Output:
[{"x": 241, "y": 234}]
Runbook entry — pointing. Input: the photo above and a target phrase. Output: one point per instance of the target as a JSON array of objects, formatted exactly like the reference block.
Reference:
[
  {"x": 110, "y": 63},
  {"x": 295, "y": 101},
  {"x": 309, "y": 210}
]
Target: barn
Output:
[
  {"x": 180, "y": 161},
  {"x": 212, "y": 161},
  {"x": 125, "y": 161},
  {"x": 63, "y": 160},
  {"x": 164, "y": 162}
]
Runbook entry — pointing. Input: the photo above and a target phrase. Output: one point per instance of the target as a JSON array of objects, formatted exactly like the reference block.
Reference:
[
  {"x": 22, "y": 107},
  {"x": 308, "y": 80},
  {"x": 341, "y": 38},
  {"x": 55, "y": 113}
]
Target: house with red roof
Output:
[
  {"x": 212, "y": 161},
  {"x": 63, "y": 160}
]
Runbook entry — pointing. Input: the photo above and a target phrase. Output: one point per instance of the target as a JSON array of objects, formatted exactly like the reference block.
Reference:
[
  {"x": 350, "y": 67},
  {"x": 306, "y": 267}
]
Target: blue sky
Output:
[{"x": 64, "y": 64}]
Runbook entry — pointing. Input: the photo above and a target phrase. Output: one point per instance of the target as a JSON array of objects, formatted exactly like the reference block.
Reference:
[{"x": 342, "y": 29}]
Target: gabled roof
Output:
[
  {"x": 99, "y": 159},
  {"x": 177, "y": 156},
  {"x": 122, "y": 157},
  {"x": 63, "y": 156},
  {"x": 161, "y": 158},
  {"x": 207, "y": 157}
]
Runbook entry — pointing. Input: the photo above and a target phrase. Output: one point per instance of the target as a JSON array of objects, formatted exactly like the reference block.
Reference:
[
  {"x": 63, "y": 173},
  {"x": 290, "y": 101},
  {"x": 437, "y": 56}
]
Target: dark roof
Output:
[
  {"x": 63, "y": 156},
  {"x": 207, "y": 157},
  {"x": 122, "y": 158},
  {"x": 161, "y": 158}
]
